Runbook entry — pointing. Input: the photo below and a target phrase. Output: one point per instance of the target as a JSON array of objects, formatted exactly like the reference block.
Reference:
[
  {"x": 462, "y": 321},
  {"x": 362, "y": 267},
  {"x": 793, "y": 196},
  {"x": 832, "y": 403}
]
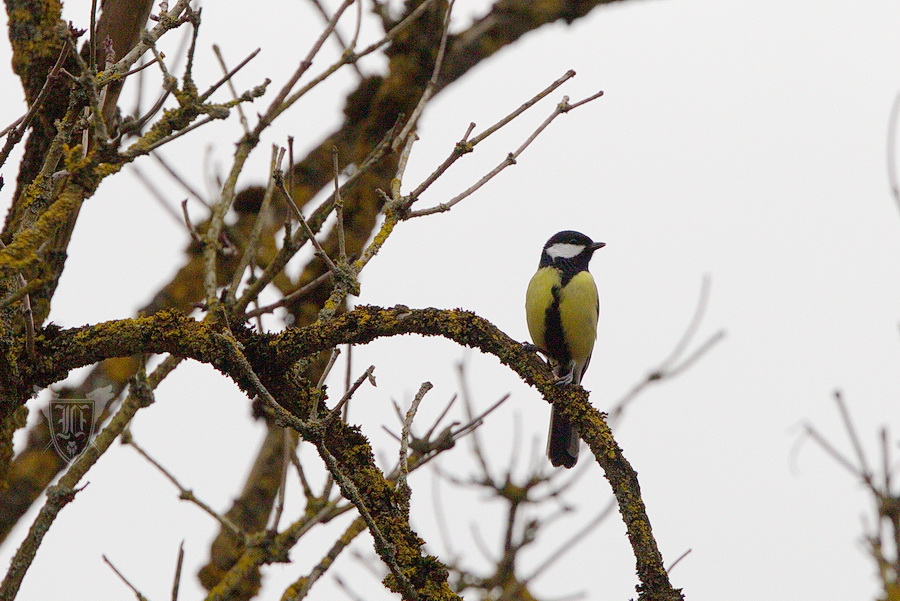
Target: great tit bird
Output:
[{"x": 562, "y": 307}]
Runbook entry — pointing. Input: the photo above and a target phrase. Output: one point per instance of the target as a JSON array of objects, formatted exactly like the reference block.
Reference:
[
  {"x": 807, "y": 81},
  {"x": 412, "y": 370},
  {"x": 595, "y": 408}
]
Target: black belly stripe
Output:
[{"x": 553, "y": 332}]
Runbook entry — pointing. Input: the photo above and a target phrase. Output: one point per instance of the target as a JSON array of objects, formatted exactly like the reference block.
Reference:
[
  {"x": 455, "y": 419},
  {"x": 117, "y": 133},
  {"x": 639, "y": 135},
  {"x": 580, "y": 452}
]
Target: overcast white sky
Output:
[{"x": 743, "y": 141}]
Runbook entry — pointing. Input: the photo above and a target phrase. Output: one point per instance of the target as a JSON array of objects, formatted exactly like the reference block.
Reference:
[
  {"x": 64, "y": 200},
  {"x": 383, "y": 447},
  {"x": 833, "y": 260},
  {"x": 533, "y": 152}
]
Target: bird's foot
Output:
[
  {"x": 531, "y": 347},
  {"x": 565, "y": 378}
]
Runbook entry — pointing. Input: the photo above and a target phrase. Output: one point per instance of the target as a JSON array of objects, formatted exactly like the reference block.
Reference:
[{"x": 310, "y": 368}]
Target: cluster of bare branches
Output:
[
  {"x": 883, "y": 532},
  {"x": 78, "y": 138}
]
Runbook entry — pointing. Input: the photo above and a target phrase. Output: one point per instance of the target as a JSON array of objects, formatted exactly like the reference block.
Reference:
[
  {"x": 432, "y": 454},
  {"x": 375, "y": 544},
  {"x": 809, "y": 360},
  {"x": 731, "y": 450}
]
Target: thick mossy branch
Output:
[{"x": 271, "y": 357}]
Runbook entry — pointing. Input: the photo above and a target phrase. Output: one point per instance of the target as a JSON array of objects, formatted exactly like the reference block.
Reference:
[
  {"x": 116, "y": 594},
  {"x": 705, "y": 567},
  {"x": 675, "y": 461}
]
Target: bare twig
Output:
[
  {"x": 17, "y": 129},
  {"x": 186, "y": 494},
  {"x": 887, "y": 503},
  {"x": 677, "y": 561},
  {"x": 27, "y": 314},
  {"x": 176, "y": 582},
  {"x": 187, "y": 222},
  {"x": 179, "y": 179},
  {"x": 404, "y": 435},
  {"x": 892, "y": 149},
  {"x": 157, "y": 194},
  {"x": 865, "y": 472},
  {"x": 675, "y": 363},
  {"x": 318, "y": 217},
  {"x": 12, "y": 125},
  {"x": 465, "y": 145},
  {"x": 328, "y": 366},
  {"x": 367, "y": 375},
  {"x": 832, "y": 451},
  {"x": 561, "y": 108},
  {"x": 248, "y": 256},
  {"x": 338, "y": 208},
  {"x": 302, "y": 586},
  {"x": 121, "y": 576},
  {"x": 297, "y": 294},
  {"x": 285, "y": 462},
  {"x": 570, "y": 544},
  {"x": 339, "y": 38},
  {"x": 227, "y": 78},
  {"x": 310, "y": 235},
  {"x": 92, "y": 43},
  {"x": 467, "y": 404},
  {"x": 345, "y": 59}
]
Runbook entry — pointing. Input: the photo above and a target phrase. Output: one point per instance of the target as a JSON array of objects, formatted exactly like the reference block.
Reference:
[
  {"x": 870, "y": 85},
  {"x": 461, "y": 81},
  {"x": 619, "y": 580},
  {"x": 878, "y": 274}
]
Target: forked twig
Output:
[
  {"x": 561, "y": 108},
  {"x": 675, "y": 363},
  {"x": 466, "y": 145}
]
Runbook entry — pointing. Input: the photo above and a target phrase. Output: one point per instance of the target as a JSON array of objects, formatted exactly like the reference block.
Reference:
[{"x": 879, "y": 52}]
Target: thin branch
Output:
[
  {"x": 13, "y": 125},
  {"x": 285, "y": 462},
  {"x": 186, "y": 494},
  {"x": 227, "y": 78},
  {"x": 179, "y": 179},
  {"x": 467, "y": 404},
  {"x": 465, "y": 145},
  {"x": 338, "y": 208},
  {"x": 367, "y": 375},
  {"x": 347, "y": 58},
  {"x": 187, "y": 222},
  {"x": 166, "y": 21},
  {"x": 667, "y": 368},
  {"x": 248, "y": 256},
  {"x": 92, "y": 43},
  {"x": 384, "y": 547},
  {"x": 295, "y": 295},
  {"x": 571, "y": 542},
  {"x": 156, "y": 193},
  {"x": 678, "y": 560},
  {"x": 893, "y": 119},
  {"x": 310, "y": 235},
  {"x": 339, "y": 38},
  {"x": 281, "y": 102},
  {"x": 561, "y": 108},
  {"x": 328, "y": 367},
  {"x": 121, "y": 576},
  {"x": 303, "y": 585},
  {"x": 404, "y": 437},
  {"x": 27, "y": 314},
  {"x": 17, "y": 128},
  {"x": 159, "y": 57},
  {"x": 294, "y": 243},
  {"x": 176, "y": 581},
  {"x": 854, "y": 439}
]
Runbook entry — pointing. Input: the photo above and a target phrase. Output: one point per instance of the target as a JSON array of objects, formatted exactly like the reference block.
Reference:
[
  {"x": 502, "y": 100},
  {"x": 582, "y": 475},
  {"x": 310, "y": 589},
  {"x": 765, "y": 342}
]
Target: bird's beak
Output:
[{"x": 596, "y": 246}]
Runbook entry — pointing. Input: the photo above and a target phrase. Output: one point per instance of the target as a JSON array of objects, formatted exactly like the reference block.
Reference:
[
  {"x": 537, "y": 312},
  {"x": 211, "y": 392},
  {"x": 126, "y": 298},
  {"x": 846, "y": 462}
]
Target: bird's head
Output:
[{"x": 569, "y": 248}]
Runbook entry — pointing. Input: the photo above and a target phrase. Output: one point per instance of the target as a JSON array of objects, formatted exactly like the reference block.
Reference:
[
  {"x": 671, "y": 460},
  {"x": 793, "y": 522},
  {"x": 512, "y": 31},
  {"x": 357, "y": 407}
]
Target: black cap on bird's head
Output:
[{"x": 569, "y": 249}]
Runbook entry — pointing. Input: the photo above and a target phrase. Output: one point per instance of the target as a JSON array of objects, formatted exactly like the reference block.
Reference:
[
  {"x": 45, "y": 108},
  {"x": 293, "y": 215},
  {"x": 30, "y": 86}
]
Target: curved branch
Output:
[{"x": 271, "y": 358}]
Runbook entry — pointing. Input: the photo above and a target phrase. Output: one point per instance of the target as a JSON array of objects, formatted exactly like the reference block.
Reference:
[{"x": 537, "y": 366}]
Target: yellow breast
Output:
[
  {"x": 579, "y": 310},
  {"x": 538, "y": 299}
]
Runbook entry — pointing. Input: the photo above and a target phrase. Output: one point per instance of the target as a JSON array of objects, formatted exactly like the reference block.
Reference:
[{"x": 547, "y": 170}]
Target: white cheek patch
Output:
[{"x": 563, "y": 250}]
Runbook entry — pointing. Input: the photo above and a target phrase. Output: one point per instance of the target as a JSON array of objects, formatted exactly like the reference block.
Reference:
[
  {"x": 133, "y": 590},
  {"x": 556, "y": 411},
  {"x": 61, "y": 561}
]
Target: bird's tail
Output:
[{"x": 563, "y": 441}]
